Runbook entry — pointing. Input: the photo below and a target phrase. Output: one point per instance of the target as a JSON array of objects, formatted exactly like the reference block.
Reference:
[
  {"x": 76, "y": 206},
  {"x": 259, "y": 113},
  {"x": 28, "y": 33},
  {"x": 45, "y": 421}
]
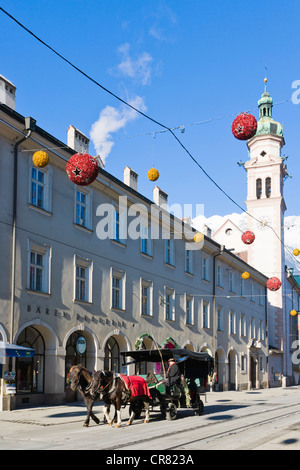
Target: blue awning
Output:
[{"x": 14, "y": 350}]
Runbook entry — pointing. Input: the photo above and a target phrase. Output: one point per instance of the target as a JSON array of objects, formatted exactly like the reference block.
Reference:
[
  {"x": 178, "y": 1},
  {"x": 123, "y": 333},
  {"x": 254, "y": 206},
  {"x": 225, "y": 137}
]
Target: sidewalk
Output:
[
  {"x": 76, "y": 412},
  {"x": 50, "y": 415}
]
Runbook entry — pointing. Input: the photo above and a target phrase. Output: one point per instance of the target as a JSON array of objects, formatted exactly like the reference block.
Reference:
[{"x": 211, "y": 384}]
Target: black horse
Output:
[
  {"x": 80, "y": 378},
  {"x": 114, "y": 391}
]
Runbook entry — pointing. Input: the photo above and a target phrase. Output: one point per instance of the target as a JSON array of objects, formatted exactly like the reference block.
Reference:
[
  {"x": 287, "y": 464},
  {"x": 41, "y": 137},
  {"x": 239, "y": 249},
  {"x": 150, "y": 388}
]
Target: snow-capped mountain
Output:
[
  {"x": 291, "y": 232},
  {"x": 291, "y": 241}
]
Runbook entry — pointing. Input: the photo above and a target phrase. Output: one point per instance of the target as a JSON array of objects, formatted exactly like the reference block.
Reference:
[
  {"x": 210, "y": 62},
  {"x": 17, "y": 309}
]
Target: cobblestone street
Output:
[{"x": 257, "y": 419}]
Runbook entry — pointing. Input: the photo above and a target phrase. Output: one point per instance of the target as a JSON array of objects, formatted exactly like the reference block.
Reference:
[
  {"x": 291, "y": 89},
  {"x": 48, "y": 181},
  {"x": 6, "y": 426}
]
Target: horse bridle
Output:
[{"x": 101, "y": 388}]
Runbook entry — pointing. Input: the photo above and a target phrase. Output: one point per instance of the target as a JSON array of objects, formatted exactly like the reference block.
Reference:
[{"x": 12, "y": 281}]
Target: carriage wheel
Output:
[
  {"x": 171, "y": 412},
  {"x": 163, "y": 409},
  {"x": 200, "y": 407}
]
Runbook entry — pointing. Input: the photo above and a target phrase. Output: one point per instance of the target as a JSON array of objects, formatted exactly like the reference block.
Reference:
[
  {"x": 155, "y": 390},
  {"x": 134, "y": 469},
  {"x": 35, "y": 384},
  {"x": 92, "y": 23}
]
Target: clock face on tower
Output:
[{"x": 264, "y": 222}]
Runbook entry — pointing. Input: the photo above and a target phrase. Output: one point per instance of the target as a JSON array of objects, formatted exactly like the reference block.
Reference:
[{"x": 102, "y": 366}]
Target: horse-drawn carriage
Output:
[
  {"x": 142, "y": 392},
  {"x": 194, "y": 369}
]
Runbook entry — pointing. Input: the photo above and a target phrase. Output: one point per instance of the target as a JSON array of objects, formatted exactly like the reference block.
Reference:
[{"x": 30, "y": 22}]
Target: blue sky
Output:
[{"x": 180, "y": 62}]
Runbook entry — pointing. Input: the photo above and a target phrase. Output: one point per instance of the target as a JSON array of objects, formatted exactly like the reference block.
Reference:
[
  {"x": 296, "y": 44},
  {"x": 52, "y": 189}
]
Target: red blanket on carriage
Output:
[{"x": 136, "y": 384}]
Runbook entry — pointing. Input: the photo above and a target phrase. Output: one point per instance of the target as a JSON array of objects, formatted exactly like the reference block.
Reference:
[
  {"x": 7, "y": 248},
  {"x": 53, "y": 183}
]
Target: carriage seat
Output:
[
  {"x": 151, "y": 378},
  {"x": 156, "y": 383}
]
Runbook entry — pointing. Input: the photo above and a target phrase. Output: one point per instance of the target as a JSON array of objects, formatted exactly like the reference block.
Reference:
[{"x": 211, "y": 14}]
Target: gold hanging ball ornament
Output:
[
  {"x": 245, "y": 275},
  {"x": 296, "y": 252},
  {"x": 153, "y": 174},
  {"x": 40, "y": 159},
  {"x": 293, "y": 312},
  {"x": 199, "y": 237}
]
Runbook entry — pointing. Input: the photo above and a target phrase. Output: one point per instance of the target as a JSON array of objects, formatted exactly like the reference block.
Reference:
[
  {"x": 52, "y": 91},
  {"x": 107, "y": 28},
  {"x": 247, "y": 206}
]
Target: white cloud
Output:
[
  {"x": 138, "y": 68},
  {"x": 112, "y": 120},
  {"x": 164, "y": 26}
]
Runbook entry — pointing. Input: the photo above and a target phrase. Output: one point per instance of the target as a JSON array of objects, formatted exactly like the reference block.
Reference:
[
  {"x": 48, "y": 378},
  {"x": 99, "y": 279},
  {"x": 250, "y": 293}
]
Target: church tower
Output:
[{"x": 266, "y": 172}]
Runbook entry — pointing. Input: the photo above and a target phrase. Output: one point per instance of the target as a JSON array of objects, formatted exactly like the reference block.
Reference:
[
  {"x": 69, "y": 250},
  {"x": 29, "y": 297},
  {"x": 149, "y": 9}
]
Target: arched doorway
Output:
[
  {"x": 170, "y": 343},
  {"x": 220, "y": 369},
  {"x": 216, "y": 372},
  {"x": 112, "y": 355},
  {"x": 30, "y": 371},
  {"x": 207, "y": 350},
  {"x": 253, "y": 375},
  {"x": 145, "y": 341},
  {"x": 189, "y": 346},
  {"x": 75, "y": 354},
  {"x": 231, "y": 370},
  {"x": 113, "y": 345}
]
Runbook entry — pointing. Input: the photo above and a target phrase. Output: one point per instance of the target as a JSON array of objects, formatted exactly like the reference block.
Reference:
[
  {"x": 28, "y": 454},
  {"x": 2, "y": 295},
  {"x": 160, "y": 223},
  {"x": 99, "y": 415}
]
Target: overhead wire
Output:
[
  {"x": 124, "y": 102},
  {"x": 160, "y": 131},
  {"x": 166, "y": 128}
]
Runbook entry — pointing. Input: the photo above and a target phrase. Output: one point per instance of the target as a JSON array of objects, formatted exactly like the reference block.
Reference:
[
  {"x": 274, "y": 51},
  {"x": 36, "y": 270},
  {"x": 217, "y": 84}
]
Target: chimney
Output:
[
  {"x": 187, "y": 220},
  {"x": 7, "y": 92},
  {"x": 100, "y": 161},
  {"x": 206, "y": 231},
  {"x": 130, "y": 178},
  {"x": 159, "y": 197},
  {"x": 77, "y": 140}
]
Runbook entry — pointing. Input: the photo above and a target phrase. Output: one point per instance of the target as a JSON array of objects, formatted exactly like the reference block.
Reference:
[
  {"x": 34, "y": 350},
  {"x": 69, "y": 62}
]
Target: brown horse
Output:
[
  {"x": 80, "y": 378},
  {"x": 114, "y": 391}
]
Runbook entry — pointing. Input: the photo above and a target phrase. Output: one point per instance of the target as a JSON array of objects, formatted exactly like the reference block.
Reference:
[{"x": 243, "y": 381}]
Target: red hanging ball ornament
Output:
[
  {"x": 273, "y": 283},
  {"x": 248, "y": 237},
  {"x": 244, "y": 126},
  {"x": 82, "y": 169}
]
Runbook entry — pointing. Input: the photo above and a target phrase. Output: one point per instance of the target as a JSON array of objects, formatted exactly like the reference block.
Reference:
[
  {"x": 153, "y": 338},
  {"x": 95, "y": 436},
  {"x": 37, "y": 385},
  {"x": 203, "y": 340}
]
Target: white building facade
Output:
[{"x": 78, "y": 290}]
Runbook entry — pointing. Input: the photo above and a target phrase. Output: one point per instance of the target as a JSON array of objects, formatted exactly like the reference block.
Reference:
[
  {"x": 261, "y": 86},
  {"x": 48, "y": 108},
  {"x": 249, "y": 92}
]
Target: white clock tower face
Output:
[{"x": 264, "y": 222}]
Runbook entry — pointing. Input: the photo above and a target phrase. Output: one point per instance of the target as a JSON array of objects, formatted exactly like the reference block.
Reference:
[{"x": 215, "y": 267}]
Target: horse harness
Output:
[{"x": 113, "y": 383}]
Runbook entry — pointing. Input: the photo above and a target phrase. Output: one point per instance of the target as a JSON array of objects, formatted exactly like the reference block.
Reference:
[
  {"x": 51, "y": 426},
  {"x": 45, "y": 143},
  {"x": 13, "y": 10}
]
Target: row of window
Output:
[
  {"x": 238, "y": 325},
  {"x": 39, "y": 281},
  {"x": 39, "y": 276},
  {"x": 83, "y": 211}
]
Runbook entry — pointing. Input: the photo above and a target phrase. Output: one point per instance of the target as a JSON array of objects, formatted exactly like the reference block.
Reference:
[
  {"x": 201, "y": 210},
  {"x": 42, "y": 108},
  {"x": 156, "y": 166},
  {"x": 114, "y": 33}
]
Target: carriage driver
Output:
[{"x": 172, "y": 374}]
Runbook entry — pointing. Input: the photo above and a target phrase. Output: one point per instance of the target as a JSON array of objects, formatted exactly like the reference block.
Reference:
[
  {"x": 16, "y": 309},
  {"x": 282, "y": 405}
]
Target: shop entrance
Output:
[
  {"x": 30, "y": 371},
  {"x": 253, "y": 372},
  {"x": 112, "y": 355},
  {"x": 231, "y": 370},
  {"x": 75, "y": 354}
]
